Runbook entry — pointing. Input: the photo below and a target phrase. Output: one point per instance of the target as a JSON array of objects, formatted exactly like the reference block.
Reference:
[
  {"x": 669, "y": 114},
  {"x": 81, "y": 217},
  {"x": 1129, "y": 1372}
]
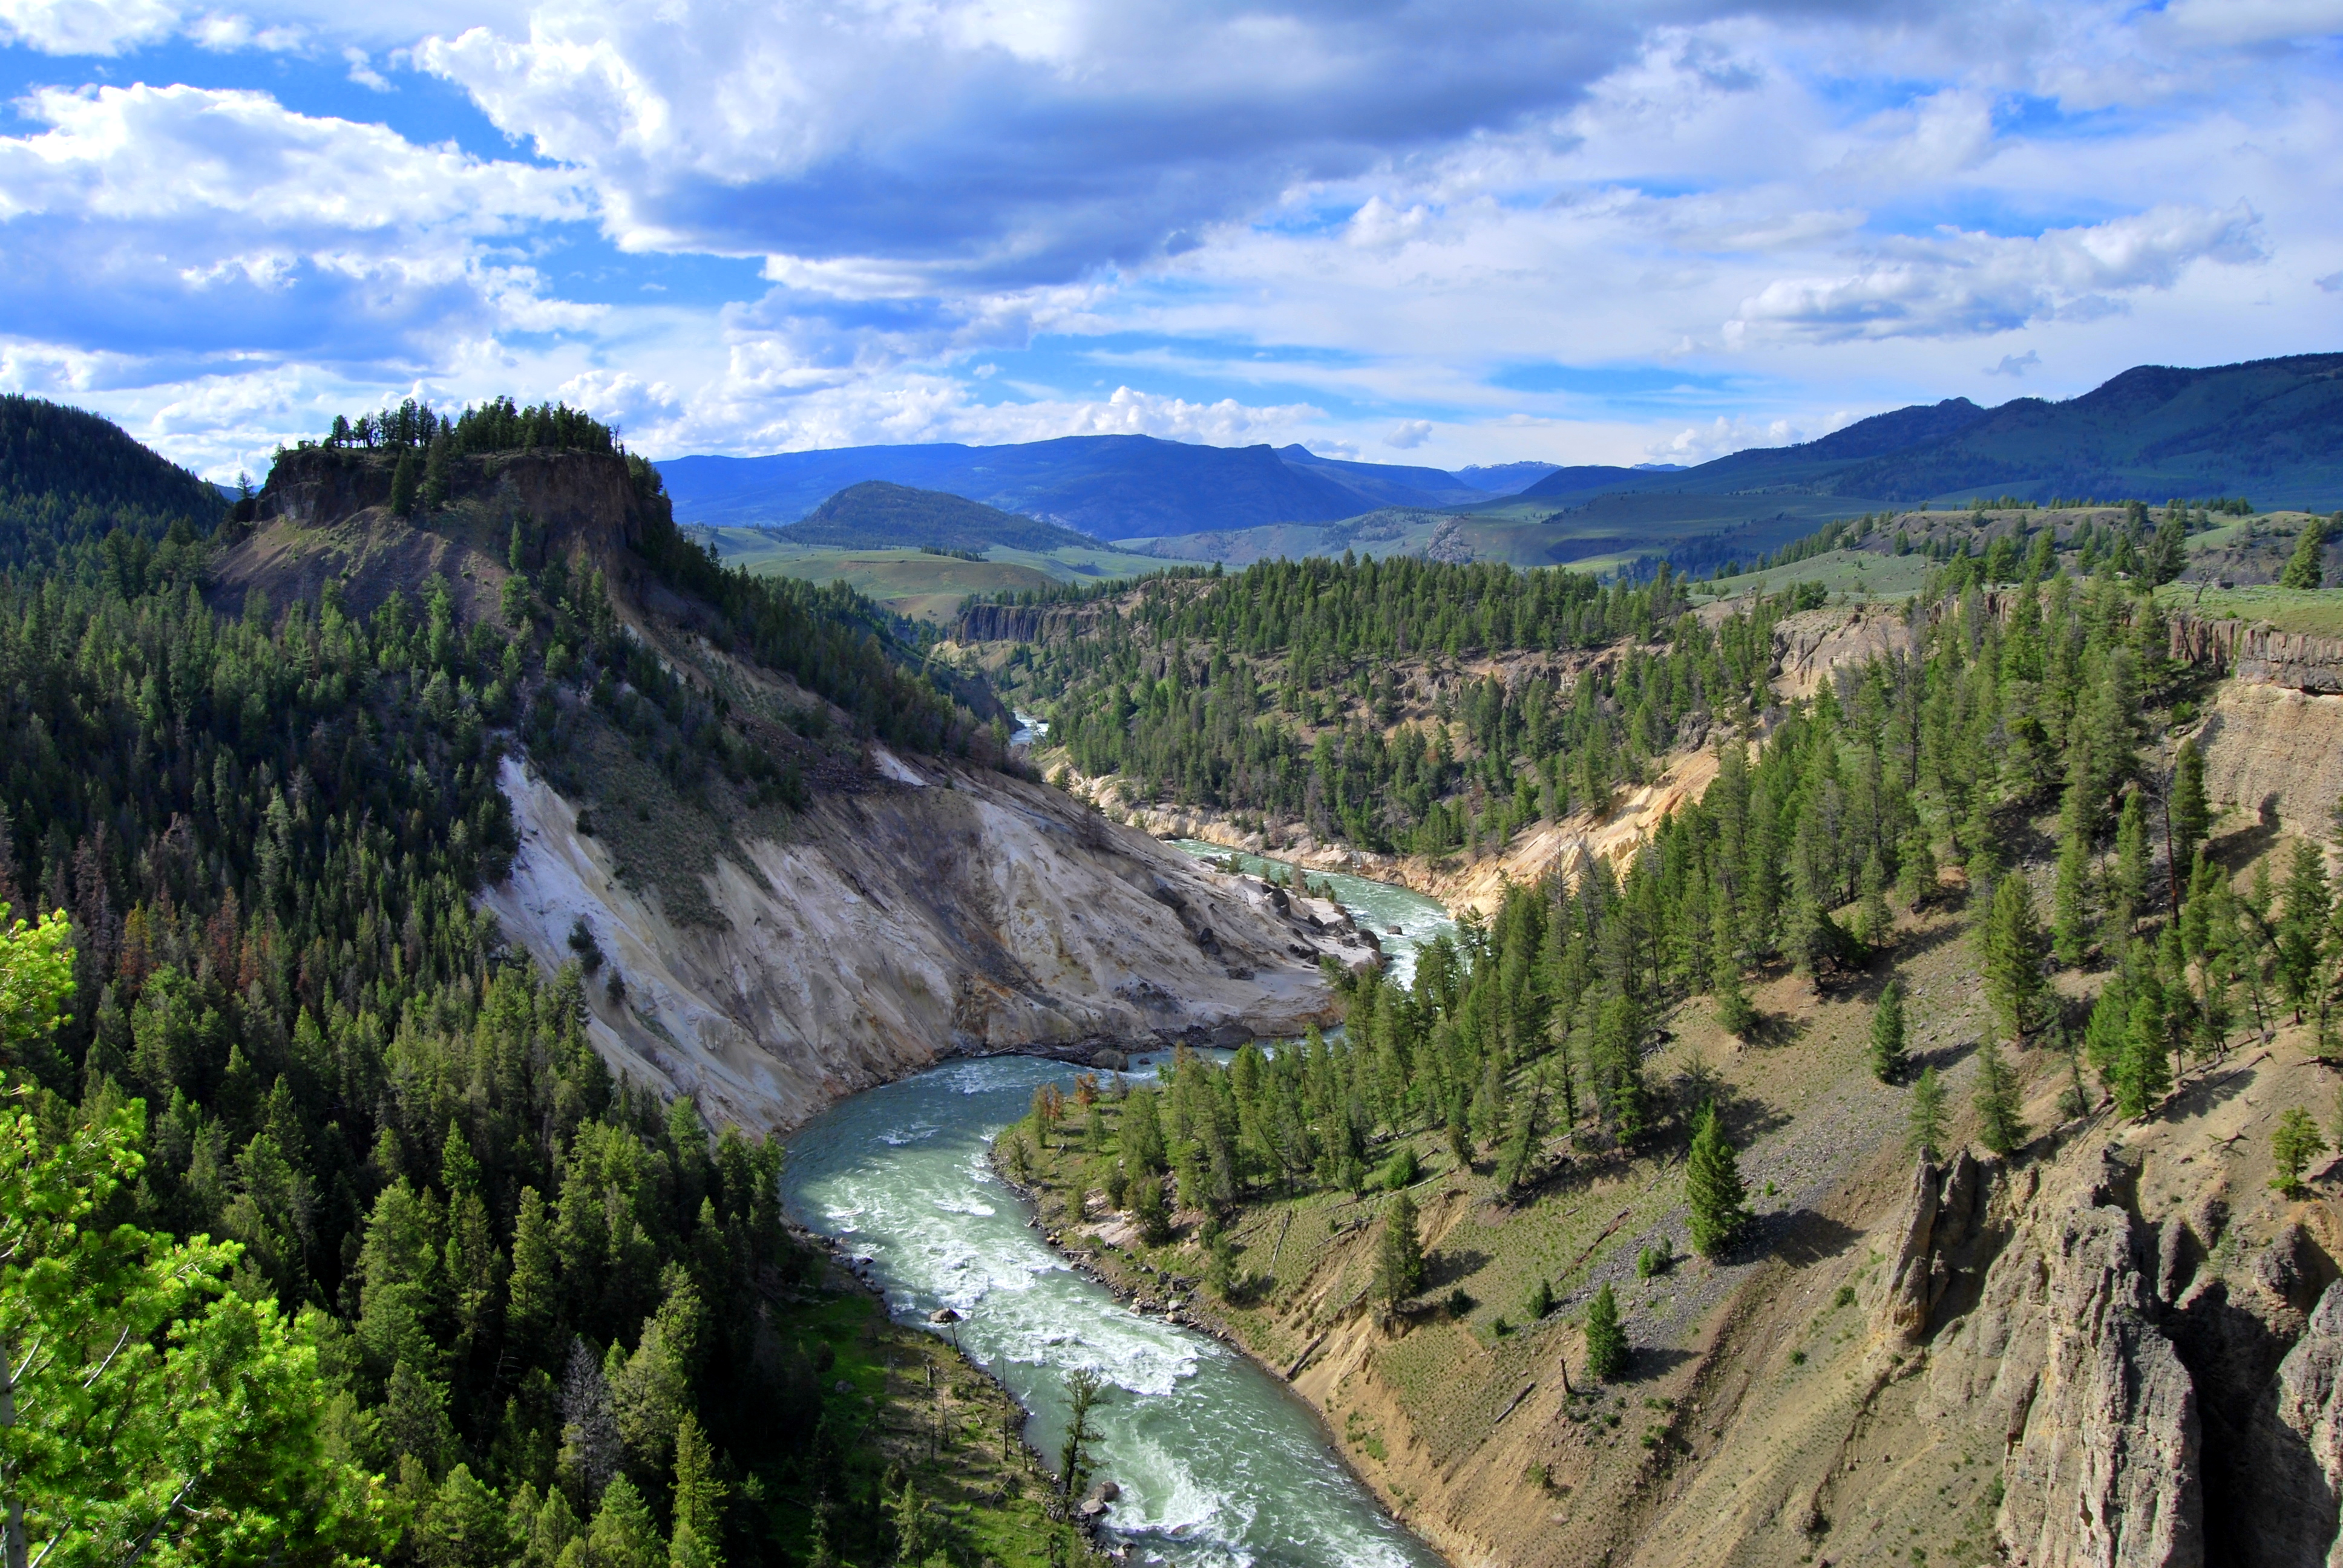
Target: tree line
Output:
[{"x": 469, "y": 1298}]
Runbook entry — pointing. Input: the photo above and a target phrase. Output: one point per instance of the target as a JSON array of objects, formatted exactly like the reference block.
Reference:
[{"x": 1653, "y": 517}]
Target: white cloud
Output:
[
  {"x": 213, "y": 219},
  {"x": 362, "y": 70},
  {"x": 1960, "y": 284},
  {"x": 86, "y": 27},
  {"x": 1409, "y": 434},
  {"x": 1700, "y": 443}
]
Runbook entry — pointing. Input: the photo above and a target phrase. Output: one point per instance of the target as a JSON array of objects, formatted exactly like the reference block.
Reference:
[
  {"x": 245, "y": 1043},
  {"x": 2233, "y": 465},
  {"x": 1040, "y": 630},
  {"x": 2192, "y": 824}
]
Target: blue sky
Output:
[{"x": 1391, "y": 231}]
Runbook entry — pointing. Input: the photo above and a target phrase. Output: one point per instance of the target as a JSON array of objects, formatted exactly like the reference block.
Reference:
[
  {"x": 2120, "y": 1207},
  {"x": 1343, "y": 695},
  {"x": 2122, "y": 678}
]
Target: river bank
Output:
[
  {"x": 1216, "y": 1461},
  {"x": 1460, "y": 881}
]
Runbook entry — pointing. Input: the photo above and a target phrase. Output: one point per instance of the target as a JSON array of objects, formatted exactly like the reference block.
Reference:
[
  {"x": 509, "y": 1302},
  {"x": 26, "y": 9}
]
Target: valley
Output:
[{"x": 676, "y": 1039}]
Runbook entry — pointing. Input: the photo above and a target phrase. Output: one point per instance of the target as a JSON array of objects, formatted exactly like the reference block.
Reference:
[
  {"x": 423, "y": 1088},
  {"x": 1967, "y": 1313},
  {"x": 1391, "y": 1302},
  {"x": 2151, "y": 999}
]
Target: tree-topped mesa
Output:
[{"x": 499, "y": 425}]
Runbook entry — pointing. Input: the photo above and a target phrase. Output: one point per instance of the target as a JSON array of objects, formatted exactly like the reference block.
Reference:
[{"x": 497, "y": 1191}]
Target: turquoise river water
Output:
[{"x": 1218, "y": 1462}]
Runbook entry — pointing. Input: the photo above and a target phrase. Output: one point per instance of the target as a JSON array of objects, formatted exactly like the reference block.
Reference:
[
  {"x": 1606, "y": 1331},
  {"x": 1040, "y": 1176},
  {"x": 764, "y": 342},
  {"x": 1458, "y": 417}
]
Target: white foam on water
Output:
[{"x": 1222, "y": 1468}]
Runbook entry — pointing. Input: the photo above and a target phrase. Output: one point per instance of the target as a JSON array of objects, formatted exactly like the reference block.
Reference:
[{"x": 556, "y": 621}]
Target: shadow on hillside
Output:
[
  {"x": 1646, "y": 1363},
  {"x": 2224, "y": 1083},
  {"x": 1943, "y": 1058},
  {"x": 2234, "y": 851},
  {"x": 1446, "y": 1266},
  {"x": 1799, "y": 1238}
]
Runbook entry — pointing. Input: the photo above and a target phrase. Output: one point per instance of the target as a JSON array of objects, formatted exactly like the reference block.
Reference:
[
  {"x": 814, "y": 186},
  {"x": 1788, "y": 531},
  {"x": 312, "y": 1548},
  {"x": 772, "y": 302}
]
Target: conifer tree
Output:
[
  {"x": 1888, "y": 1061},
  {"x": 1925, "y": 1120},
  {"x": 2305, "y": 567},
  {"x": 403, "y": 479},
  {"x": 2130, "y": 893},
  {"x": 1606, "y": 1341},
  {"x": 2292, "y": 1146},
  {"x": 1878, "y": 923},
  {"x": 2191, "y": 815},
  {"x": 697, "y": 1538},
  {"x": 1712, "y": 1187},
  {"x": 2000, "y": 1126},
  {"x": 1735, "y": 1015},
  {"x": 2071, "y": 919},
  {"x": 2014, "y": 948},
  {"x": 2143, "y": 1071},
  {"x": 1399, "y": 1253}
]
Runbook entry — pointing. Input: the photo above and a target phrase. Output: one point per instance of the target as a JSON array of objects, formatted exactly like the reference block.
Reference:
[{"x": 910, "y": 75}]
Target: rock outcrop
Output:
[
  {"x": 1947, "y": 1229},
  {"x": 1811, "y": 644},
  {"x": 2297, "y": 1449},
  {"x": 946, "y": 911},
  {"x": 2262, "y": 655},
  {"x": 2063, "y": 1355}
]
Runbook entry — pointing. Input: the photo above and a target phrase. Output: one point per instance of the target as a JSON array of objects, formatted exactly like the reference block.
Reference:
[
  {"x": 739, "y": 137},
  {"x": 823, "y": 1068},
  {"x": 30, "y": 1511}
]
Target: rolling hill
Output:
[
  {"x": 2270, "y": 429},
  {"x": 879, "y": 515},
  {"x": 67, "y": 475},
  {"x": 1112, "y": 487}
]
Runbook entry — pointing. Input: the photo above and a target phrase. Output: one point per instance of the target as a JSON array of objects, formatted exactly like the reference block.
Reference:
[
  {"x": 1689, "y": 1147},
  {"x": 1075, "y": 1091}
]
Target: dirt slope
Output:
[{"x": 770, "y": 961}]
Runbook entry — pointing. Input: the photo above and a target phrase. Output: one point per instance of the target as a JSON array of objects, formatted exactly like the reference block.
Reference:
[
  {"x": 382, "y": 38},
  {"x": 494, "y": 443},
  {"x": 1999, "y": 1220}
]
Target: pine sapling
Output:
[
  {"x": 1713, "y": 1186},
  {"x": 1888, "y": 1059}
]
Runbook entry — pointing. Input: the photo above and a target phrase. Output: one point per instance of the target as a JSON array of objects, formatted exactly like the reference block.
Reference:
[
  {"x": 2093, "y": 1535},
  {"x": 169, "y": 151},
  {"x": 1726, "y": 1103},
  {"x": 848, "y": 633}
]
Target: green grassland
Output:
[
  {"x": 927, "y": 587},
  {"x": 2317, "y": 612},
  {"x": 1852, "y": 574},
  {"x": 1596, "y": 535}
]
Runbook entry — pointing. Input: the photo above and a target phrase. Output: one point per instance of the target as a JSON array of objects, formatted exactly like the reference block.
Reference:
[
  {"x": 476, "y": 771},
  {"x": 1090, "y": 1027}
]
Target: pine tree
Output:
[
  {"x": 1877, "y": 924},
  {"x": 624, "y": 1534},
  {"x": 1606, "y": 1341},
  {"x": 697, "y": 1540},
  {"x": 2305, "y": 567},
  {"x": 1915, "y": 874},
  {"x": 1399, "y": 1253},
  {"x": 2130, "y": 898},
  {"x": 2143, "y": 1071},
  {"x": 1712, "y": 1187},
  {"x": 2000, "y": 1127},
  {"x": 403, "y": 479},
  {"x": 2191, "y": 815},
  {"x": 2167, "y": 552},
  {"x": 2071, "y": 919},
  {"x": 2292, "y": 1146},
  {"x": 1888, "y": 1061},
  {"x": 1925, "y": 1121},
  {"x": 1735, "y": 1015},
  {"x": 437, "y": 466},
  {"x": 2012, "y": 957}
]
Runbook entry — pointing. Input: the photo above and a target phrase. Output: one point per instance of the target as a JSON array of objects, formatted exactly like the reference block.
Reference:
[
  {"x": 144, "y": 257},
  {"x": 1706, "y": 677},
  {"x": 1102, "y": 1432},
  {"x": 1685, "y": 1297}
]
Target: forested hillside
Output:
[
  {"x": 1792, "y": 855},
  {"x": 68, "y": 477},
  {"x": 2012, "y": 814},
  {"x": 554, "y": 1320}
]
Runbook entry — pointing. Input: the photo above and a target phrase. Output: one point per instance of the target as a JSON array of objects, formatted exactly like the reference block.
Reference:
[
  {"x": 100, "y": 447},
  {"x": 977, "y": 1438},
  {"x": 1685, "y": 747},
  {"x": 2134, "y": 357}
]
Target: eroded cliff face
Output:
[
  {"x": 940, "y": 911},
  {"x": 2060, "y": 1352}
]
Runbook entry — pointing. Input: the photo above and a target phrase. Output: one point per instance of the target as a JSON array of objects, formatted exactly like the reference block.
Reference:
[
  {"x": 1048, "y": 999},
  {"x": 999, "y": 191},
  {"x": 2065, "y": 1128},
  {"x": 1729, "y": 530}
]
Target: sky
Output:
[{"x": 1444, "y": 234}]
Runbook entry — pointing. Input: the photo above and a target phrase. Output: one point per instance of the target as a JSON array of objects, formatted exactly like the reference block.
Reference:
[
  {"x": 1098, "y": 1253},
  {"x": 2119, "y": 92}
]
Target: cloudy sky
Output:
[{"x": 1444, "y": 233}]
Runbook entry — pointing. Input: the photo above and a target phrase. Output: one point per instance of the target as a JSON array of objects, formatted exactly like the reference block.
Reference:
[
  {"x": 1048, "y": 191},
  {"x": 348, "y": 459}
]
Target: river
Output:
[
  {"x": 1219, "y": 1463},
  {"x": 1403, "y": 921}
]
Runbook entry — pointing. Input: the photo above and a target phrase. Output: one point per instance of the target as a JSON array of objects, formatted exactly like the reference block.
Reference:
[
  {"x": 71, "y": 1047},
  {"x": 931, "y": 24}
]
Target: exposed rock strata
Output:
[
  {"x": 906, "y": 923},
  {"x": 2063, "y": 1355}
]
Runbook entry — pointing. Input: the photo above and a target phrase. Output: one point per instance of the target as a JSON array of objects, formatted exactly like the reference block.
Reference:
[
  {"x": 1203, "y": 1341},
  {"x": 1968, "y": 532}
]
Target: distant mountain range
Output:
[
  {"x": 1112, "y": 487},
  {"x": 2270, "y": 429},
  {"x": 879, "y": 515}
]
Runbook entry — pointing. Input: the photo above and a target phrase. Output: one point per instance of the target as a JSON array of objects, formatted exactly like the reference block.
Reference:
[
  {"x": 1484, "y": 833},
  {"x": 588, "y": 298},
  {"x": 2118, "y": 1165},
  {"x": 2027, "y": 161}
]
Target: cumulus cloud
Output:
[
  {"x": 181, "y": 218},
  {"x": 86, "y": 27},
  {"x": 1700, "y": 443},
  {"x": 2014, "y": 365},
  {"x": 1961, "y": 284},
  {"x": 968, "y": 142},
  {"x": 1409, "y": 434}
]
